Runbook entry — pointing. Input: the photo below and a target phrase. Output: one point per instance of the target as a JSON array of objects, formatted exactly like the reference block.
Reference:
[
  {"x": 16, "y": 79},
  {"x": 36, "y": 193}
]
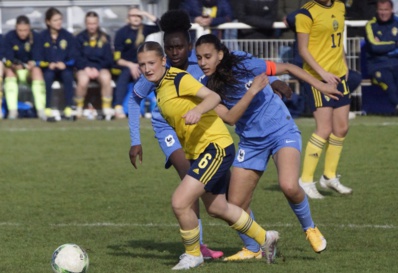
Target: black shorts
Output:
[
  {"x": 318, "y": 100},
  {"x": 212, "y": 168}
]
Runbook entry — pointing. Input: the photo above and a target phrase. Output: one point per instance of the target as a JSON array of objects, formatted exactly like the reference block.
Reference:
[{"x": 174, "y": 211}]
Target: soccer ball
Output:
[{"x": 69, "y": 258}]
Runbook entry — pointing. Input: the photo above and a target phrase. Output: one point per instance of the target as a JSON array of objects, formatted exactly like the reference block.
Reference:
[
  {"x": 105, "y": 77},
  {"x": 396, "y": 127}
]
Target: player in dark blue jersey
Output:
[
  {"x": 1, "y": 75},
  {"x": 264, "y": 125},
  {"x": 94, "y": 63},
  {"x": 127, "y": 40},
  {"x": 58, "y": 56},
  {"x": 21, "y": 51}
]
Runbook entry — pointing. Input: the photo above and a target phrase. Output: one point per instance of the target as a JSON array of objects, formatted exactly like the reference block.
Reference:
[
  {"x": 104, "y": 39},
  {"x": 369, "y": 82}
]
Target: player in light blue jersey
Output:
[
  {"x": 178, "y": 48},
  {"x": 265, "y": 128}
]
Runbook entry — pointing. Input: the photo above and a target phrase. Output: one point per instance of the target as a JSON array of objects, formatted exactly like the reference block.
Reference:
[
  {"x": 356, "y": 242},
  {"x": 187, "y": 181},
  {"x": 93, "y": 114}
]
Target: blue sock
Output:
[
  {"x": 200, "y": 232},
  {"x": 303, "y": 213},
  {"x": 250, "y": 243}
]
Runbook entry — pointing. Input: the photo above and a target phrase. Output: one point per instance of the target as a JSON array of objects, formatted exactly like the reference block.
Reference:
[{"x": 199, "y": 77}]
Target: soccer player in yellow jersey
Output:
[
  {"x": 187, "y": 106},
  {"x": 320, "y": 27}
]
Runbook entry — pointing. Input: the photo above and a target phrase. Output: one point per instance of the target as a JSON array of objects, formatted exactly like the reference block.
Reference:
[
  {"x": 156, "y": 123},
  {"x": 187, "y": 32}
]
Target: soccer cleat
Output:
[
  {"x": 119, "y": 112},
  {"x": 108, "y": 113},
  {"x": 210, "y": 254},
  {"x": 188, "y": 261},
  {"x": 79, "y": 112},
  {"x": 244, "y": 254},
  {"x": 48, "y": 115},
  {"x": 334, "y": 184},
  {"x": 269, "y": 247},
  {"x": 310, "y": 189},
  {"x": 316, "y": 239},
  {"x": 12, "y": 114}
]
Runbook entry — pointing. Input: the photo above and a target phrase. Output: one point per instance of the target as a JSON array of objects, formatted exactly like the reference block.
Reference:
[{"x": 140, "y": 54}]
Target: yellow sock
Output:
[
  {"x": 39, "y": 94},
  {"x": 106, "y": 102},
  {"x": 79, "y": 102},
  {"x": 312, "y": 154},
  {"x": 190, "y": 239},
  {"x": 248, "y": 226},
  {"x": 11, "y": 93},
  {"x": 332, "y": 155}
]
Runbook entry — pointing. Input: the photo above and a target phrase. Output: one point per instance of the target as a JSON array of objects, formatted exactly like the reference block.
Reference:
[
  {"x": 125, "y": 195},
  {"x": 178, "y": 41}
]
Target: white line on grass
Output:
[{"x": 109, "y": 224}]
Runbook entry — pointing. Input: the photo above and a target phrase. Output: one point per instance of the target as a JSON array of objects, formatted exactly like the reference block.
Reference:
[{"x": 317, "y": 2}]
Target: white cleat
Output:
[
  {"x": 310, "y": 189},
  {"x": 188, "y": 261},
  {"x": 269, "y": 247},
  {"x": 334, "y": 184}
]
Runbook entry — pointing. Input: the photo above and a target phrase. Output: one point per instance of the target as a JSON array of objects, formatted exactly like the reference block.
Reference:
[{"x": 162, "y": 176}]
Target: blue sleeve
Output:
[
  {"x": 224, "y": 13},
  {"x": 272, "y": 79},
  {"x": 143, "y": 87},
  {"x": 107, "y": 62},
  {"x": 80, "y": 61},
  {"x": 1, "y": 47},
  {"x": 134, "y": 118},
  {"x": 36, "y": 50},
  {"x": 192, "y": 8},
  {"x": 72, "y": 54},
  {"x": 6, "y": 50}
]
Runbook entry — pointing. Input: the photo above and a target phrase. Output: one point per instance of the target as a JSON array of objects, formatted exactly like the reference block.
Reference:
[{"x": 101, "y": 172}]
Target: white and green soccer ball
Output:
[{"x": 69, "y": 258}]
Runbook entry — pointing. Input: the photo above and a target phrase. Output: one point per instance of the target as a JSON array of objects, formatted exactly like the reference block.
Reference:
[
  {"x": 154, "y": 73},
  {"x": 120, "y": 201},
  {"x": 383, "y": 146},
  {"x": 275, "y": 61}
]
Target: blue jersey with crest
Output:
[{"x": 267, "y": 116}]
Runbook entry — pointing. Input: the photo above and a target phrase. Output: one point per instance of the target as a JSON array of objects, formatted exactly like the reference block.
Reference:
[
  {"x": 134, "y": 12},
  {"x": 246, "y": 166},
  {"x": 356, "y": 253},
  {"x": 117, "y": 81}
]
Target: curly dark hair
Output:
[{"x": 175, "y": 21}]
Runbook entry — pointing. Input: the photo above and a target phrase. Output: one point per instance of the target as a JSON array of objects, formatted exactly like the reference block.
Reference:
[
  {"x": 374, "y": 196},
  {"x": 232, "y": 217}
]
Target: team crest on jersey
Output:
[
  {"x": 241, "y": 155},
  {"x": 248, "y": 85},
  {"x": 394, "y": 31},
  {"x": 46, "y": 44},
  {"x": 27, "y": 47},
  {"x": 16, "y": 48},
  {"x": 128, "y": 41},
  {"x": 169, "y": 140},
  {"x": 202, "y": 78},
  {"x": 378, "y": 74},
  {"x": 335, "y": 25},
  {"x": 63, "y": 44}
]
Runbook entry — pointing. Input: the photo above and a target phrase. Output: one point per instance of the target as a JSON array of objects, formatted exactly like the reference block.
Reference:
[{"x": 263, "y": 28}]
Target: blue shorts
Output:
[
  {"x": 166, "y": 136},
  {"x": 256, "y": 158},
  {"x": 318, "y": 100},
  {"x": 212, "y": 168}
]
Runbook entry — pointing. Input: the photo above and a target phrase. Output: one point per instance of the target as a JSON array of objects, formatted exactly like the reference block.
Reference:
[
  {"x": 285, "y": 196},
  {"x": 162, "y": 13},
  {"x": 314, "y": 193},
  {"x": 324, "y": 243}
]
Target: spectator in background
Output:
[
  {"x": 1, "y": 75},
  {"x": 21, "y": 51},
  {"x": 94, "y": 63},
  {"x": 260, "y": 14},
  {"x": 382, "y": 49},
  {"x": 209, "y": 13},
  {"x": 58, "y": 56},
  {"x": 127, "y": 40}
]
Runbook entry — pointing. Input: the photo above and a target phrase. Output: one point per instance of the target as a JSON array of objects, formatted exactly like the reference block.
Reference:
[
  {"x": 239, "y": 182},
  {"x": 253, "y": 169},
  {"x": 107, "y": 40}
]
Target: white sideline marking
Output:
[{"x": 109, "y": 224}]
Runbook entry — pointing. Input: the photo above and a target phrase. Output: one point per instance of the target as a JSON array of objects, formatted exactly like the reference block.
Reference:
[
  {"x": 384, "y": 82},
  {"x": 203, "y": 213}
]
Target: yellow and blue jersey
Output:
[
  {"x": 21, "y": 51},
  {"x": 63, "y": 49},
  {"x": 176, "y": 95},
  {"x": 95, "y": 53},
  {"x": 125, "y": 38},
  {"x": 325, "y": 27}
]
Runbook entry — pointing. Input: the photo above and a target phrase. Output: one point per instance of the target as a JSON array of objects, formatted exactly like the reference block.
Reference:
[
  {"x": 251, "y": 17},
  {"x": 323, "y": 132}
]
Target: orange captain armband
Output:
[{"x": 271, "y": 68}]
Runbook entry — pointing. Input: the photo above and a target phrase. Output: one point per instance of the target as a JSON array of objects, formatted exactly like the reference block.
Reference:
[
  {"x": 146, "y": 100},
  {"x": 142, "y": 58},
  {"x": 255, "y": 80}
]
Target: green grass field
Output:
[{"x": 73, "y": 183}]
